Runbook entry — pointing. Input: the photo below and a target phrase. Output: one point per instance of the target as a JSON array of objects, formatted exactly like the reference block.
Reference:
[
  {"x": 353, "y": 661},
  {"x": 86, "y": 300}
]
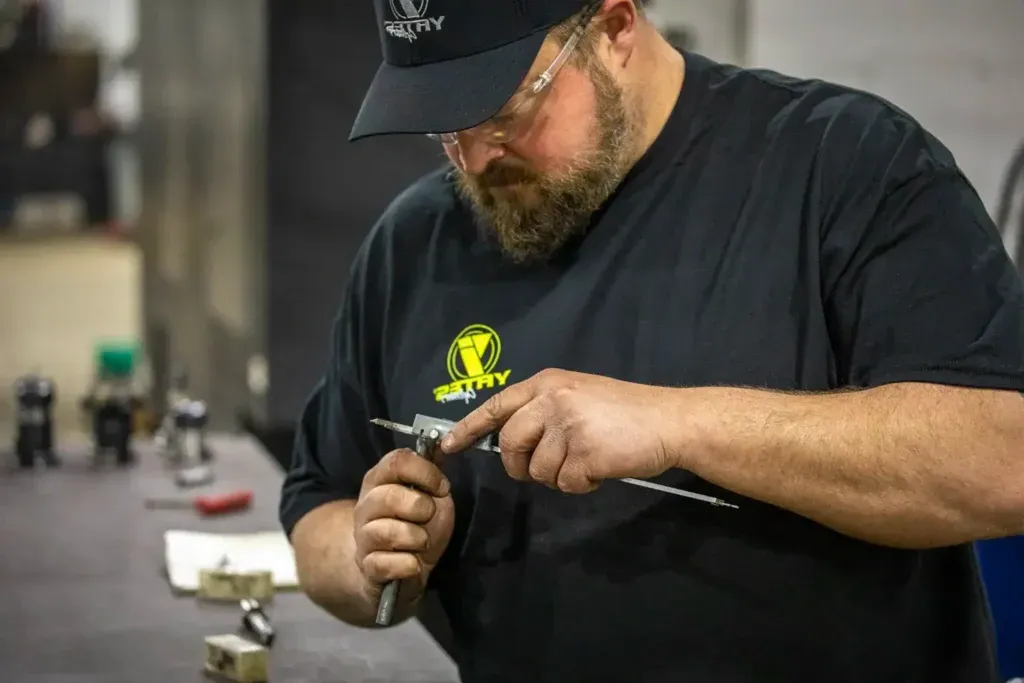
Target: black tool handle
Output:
[{"x": 425, "y": 445}]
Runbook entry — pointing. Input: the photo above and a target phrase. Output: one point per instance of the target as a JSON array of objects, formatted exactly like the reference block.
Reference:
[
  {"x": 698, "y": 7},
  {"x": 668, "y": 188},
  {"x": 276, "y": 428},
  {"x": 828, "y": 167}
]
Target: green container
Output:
[{"x": 116, "y": 360}]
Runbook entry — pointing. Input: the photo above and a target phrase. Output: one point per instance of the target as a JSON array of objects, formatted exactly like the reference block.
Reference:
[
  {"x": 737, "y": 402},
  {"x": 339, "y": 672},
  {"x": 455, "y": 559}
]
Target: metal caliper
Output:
[{"x": 430, "y": 430}]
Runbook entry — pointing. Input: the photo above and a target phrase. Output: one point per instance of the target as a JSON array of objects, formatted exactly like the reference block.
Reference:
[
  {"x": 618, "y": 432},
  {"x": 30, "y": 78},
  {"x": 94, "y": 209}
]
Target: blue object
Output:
[{"x": 1002, "y": 569}]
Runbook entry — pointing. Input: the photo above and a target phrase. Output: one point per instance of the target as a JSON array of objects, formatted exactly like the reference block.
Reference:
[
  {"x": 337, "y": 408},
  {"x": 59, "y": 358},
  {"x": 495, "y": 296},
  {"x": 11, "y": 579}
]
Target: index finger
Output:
[
  {"x": 404, "y": 466},
  {"x": 488, "y": 418}
]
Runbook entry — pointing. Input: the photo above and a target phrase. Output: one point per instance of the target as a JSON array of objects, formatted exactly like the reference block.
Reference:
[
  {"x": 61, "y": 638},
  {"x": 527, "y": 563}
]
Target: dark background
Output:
[
  {"x": 320, "y": 208},
  {"x": 322, "y": 56}
]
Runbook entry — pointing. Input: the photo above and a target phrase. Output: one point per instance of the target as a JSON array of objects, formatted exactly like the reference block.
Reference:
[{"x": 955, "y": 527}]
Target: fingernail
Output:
[
  {"x": 447, "y": 441},
  {"x": 446, "y": 487}
]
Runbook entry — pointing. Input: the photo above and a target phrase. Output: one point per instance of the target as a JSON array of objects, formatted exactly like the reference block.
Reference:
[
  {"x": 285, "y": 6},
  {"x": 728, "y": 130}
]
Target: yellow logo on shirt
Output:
[{"x": 472, "y": 359}]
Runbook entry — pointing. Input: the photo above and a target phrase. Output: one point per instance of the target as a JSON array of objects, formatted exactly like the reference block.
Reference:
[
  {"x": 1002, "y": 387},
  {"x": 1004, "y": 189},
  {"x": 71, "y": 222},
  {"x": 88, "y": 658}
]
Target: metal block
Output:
[
  {"x": 234, "y": 658},
  {"x": 227, "y": 585}
]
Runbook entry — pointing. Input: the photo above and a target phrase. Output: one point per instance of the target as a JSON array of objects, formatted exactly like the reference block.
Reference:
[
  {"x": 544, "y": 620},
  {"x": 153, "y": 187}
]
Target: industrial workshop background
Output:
[
  {"x": 237, "y": 202},
  {"x": 176, "y": 174}
]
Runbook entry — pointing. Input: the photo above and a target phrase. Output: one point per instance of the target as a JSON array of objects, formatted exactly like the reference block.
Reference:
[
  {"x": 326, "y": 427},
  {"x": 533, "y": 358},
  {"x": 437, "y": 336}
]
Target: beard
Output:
[{"x": 532, "y": 216}]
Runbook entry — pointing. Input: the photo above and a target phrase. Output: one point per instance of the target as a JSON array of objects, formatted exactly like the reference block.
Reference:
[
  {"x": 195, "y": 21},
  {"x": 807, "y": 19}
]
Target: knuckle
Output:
[
  {"x": 492, "y": 406},
  {"x": 510, "y": 442},
  {"x": 392, "y": 499},
  {"x": 408, "y": 504},
  {"x": 417, "y": 539},
  {"x": 383, "y": 471},
  {"x": 551, "y": 378},
  {"x": 536, "y": 470},
  {"x": 407, "y": 566},
  {"x": 574, "y": 477},
  {"x": 422, "y": 508},
  {"x": 387, "y": 566},
  {"x": 547, "y": 375},
  {"x": 510, "y": 462},
  {"x": 401, "y": 459},
  {"x": 428, "y": 475},
  {"x": 563, "y": 395},
  {"x": 375, "y": 566},
  {"x": 382, "y": 534}
]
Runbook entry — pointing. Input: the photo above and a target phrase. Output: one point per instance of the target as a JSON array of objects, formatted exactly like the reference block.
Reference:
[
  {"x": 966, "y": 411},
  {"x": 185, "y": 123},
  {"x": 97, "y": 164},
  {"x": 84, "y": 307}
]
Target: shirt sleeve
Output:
[
  {"x": 335, "y": 444},
  {"x": 916, "y": 281}
]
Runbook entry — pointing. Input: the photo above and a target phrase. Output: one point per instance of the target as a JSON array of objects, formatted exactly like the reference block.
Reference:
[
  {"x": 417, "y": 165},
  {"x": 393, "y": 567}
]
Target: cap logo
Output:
[
  {"x": 409, "y": 9},
  {"x": 411, "y": 19}
]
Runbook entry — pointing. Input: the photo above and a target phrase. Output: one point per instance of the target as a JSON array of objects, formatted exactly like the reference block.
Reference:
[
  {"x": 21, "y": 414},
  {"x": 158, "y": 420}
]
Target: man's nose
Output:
[{"x": 472, "y": 155}]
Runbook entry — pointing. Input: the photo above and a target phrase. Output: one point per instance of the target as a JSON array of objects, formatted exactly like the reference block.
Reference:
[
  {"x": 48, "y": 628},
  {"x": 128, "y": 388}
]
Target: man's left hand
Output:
[{"x": 571, "y": 430}]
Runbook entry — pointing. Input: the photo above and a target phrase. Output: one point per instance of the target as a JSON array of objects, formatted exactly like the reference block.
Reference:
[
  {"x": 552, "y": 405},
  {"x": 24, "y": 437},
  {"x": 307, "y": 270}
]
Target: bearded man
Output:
[{"x": 640, "y": 263}]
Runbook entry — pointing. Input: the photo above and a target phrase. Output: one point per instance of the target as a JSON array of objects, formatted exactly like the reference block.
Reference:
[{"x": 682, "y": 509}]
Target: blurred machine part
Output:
[
  {"x": 181, "y": 436},
  {"x": 166, "y": 436},
  {"x": 112, "y": 402},
  {"x": 255, "y": 623},
  {"x": 190, "y": 419},
  {"x": 34, "y": 398}
]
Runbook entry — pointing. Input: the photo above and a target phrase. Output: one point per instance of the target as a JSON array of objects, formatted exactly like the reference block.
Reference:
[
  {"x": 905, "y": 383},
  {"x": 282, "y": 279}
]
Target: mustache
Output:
[{"x": 501, "y": 176}]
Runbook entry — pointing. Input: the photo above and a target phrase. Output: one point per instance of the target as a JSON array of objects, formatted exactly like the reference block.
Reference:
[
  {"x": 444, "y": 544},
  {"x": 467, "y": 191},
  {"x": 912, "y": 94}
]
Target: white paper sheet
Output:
[{"x": 187, "y": 552}]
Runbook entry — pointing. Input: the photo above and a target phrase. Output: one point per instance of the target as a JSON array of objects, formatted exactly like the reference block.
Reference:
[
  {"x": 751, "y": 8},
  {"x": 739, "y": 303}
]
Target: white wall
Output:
[
  {"x": 956, "y": 65},
  {"x": 717, "y": 24}
]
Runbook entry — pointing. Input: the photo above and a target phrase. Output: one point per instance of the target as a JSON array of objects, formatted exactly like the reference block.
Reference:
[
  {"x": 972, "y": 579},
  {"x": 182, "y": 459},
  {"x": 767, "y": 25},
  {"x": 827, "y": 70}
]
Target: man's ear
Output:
[{"x": 618, "y": 22}]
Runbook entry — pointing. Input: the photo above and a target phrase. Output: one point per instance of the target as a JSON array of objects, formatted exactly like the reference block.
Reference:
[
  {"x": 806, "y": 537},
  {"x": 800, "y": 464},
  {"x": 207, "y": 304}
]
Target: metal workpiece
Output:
[{"x": 424, "y": 423}]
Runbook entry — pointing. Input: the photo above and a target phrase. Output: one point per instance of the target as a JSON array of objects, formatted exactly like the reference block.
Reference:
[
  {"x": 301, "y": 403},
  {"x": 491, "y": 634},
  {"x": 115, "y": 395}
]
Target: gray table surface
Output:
[{"x": 83, "y": 597}]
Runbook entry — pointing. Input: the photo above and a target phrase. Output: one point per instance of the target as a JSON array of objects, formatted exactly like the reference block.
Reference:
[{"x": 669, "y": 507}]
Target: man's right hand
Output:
[{"x": 402, "y": 521}]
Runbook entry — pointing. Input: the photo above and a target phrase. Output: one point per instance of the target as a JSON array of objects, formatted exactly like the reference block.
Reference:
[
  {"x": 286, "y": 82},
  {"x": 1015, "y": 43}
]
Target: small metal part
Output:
[
  {"x": 34, "y": 397},
  {"x": 426, "y": 443},
  {"x": 711, "y": 500},
  {"x": 393, "y": 426},
  {"x": 112, "y": 405},
  {"x": 424, "y": 422},
  {"x": 225, "y": 584},
  {"x": 236, "y": 659},
  {"x": 190, "y": 423},
  {"x": 256, "y": 624},
  {"x": 191, "y": 477}
]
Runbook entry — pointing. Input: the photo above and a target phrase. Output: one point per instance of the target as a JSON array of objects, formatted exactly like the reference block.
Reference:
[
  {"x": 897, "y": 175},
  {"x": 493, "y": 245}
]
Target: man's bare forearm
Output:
[
  {"x": 905, "y": 465},
  {"x": 324, "y": 545}
]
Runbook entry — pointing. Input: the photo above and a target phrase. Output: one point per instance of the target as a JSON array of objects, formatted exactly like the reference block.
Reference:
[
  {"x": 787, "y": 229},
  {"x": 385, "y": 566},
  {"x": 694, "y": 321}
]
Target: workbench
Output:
[{"x": 83, "y": 597}]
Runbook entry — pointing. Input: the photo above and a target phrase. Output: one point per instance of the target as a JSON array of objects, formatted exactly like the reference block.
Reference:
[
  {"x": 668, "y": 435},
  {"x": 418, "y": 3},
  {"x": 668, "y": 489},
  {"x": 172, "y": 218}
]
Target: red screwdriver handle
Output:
[{"x": 219, "y": 505}]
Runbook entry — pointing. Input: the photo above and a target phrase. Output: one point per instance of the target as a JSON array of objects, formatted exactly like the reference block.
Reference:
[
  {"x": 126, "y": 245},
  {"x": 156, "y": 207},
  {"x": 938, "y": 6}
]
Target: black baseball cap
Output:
[{"x": 452, "y": 64}]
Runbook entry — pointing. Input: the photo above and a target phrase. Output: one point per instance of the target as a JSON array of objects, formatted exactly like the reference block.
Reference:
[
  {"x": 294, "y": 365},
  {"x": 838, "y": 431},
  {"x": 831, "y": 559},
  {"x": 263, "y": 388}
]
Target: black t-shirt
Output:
[{"x": 780, "y": 233}]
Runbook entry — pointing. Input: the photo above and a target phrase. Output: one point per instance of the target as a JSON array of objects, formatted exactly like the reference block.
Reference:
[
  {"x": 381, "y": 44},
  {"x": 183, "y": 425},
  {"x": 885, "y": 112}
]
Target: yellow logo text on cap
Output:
[{"x": 472, "y": 359}]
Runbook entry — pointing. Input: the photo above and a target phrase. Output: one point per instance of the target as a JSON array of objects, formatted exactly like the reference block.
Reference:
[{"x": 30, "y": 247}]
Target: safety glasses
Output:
[{"x": 518, "y": 112}]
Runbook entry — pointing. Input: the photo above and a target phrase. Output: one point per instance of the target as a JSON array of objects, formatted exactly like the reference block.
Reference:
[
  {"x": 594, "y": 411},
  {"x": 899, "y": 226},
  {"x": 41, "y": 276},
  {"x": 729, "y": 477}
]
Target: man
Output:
[{"x": 641, "y": 263}]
